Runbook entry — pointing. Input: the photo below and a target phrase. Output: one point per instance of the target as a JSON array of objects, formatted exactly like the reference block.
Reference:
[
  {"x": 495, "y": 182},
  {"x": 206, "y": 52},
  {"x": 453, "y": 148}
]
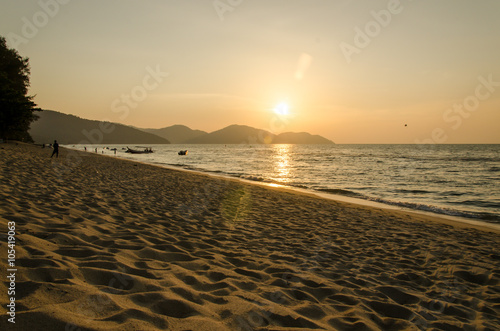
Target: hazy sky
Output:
[{"x": 352, "y": 71}]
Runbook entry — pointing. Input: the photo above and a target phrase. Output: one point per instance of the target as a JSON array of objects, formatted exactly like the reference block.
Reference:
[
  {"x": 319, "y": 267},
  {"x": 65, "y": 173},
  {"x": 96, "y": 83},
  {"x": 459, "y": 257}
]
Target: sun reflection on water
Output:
[{"x": 281, "y": 157}]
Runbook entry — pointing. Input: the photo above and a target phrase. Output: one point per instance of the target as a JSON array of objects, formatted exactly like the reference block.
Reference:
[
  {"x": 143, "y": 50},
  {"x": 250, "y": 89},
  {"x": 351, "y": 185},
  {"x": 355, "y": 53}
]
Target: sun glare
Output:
[{"x": 282, "y": 109}]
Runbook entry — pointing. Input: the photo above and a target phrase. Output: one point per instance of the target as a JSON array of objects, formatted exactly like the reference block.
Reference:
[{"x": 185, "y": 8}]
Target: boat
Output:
[{"x": 136, "y": 151}]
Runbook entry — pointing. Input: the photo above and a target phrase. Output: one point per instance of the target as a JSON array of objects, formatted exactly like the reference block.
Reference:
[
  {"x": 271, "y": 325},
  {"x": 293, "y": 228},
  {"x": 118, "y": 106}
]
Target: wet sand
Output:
[{"x": 109, "y": 244}]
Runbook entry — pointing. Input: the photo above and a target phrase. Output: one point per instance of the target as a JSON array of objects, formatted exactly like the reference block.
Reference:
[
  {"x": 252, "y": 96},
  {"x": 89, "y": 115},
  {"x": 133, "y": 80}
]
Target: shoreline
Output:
[
  {"x": 442, "y": 218},
  {"x": 116, "y": 245}
]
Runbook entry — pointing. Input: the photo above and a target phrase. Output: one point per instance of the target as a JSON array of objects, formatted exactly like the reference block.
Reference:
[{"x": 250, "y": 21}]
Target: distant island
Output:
[{"x": 70, "y": 129}]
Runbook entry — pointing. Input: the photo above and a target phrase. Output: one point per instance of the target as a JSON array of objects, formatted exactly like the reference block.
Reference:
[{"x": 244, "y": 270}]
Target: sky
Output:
[{"x": 367, "y": 71}]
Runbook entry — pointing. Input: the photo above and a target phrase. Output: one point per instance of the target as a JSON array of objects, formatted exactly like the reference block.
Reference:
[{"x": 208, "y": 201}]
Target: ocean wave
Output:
[
  {"x": 484, "y": 216},
  {"x": 255, "y": 178},
  {"x": 342, "y": 192},
  {"x": 451, "y": 193},
  {"x": 480, "y": 203},
  {"x": 414, "y": 191},
  {"x": 476, "y": 159}
]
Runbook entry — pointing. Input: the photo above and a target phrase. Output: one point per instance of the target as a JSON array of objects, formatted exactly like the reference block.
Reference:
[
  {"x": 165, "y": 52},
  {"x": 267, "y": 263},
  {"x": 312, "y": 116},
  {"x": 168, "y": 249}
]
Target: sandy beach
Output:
[{"x": 108, "y": 244}]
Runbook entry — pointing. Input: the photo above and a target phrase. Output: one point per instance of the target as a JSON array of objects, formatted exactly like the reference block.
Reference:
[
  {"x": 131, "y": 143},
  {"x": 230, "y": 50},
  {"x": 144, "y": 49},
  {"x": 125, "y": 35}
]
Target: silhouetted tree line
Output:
[{"x": 17, "y": 110}]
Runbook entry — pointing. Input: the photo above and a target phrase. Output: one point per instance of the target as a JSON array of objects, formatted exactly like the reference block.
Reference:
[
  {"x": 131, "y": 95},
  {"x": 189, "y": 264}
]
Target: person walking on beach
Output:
[{"x": 56, "y": 149}]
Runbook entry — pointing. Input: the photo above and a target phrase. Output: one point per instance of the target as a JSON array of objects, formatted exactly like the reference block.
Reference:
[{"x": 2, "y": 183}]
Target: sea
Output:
[{"x": 455, "y": 180}]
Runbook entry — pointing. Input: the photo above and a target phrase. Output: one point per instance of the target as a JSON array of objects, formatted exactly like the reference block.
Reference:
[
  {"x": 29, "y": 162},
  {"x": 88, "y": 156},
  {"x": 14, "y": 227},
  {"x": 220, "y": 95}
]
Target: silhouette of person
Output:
[{"x": 55, "y": 145}]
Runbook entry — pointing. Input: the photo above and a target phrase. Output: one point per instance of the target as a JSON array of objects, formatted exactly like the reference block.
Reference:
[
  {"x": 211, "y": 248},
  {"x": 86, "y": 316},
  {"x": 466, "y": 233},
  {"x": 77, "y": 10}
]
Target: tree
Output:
[{"x": 17, "y": 109}]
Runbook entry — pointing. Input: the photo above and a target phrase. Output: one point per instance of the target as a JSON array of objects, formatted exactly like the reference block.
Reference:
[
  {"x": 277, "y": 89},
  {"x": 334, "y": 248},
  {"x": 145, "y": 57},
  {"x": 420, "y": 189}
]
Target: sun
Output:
[{"x": 282, "y": 109}]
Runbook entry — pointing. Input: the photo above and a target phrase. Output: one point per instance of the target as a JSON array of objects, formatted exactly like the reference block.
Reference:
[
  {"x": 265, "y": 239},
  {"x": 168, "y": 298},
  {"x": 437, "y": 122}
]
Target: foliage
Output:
[{"x": 16, "y": 106}]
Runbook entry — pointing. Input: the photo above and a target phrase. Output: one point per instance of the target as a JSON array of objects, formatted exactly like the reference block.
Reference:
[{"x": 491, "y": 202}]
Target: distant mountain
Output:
[
  {"x": 176, "y": 134},
  {"x": 300, "y": 138},
  {"x": 233, "y": 134},
  {"x": 69, "y": 129},
  {"x": 242, "y": 134}
]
